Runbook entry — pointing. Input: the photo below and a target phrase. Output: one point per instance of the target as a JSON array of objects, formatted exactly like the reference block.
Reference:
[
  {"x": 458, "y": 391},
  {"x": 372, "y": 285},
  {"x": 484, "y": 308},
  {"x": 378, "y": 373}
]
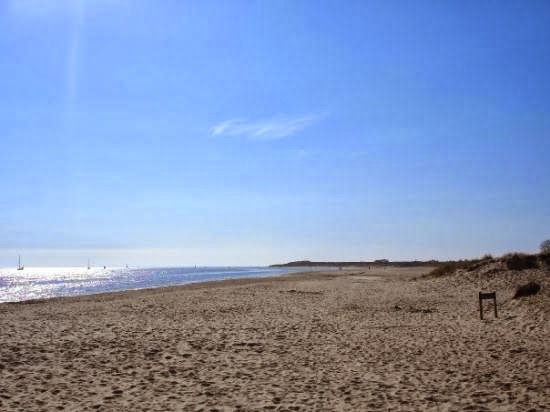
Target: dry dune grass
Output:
[{"x": 348, "y": 340}]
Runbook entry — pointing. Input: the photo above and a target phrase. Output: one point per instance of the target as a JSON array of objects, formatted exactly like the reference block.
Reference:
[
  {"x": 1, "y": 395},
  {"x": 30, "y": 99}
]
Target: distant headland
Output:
[{"x": 378, "y": 262}]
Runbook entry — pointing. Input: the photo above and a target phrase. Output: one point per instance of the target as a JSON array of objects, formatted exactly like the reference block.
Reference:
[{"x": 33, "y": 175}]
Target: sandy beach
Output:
[{"x": 351, "y": 340}]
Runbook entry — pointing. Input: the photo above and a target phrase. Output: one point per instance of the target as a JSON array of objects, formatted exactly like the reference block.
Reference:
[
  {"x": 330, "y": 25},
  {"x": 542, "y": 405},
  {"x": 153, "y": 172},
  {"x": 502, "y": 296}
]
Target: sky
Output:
[{"x": 256, "y": 132}]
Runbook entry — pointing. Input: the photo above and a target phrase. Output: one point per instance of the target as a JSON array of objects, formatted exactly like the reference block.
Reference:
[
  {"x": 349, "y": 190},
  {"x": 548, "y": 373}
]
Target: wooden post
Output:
[
  {"x": 480, "y": 306},
  {"x": 492, "y": 295}
]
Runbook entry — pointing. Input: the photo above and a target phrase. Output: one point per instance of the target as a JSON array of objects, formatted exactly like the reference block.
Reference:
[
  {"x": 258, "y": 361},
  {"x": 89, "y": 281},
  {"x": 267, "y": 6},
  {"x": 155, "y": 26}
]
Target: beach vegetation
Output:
[
  {"x": 529, "y": 289},
  {"x": 545, "y": 258},
  {"x": 443, "y": 270},
  {"x": 521, "y": 261},
  {"x": 450, "y": 267}
]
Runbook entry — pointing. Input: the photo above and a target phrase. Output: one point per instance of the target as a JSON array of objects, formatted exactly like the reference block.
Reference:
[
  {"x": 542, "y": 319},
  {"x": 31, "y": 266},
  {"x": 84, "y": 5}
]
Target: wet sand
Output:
[{"x": 349, "y": 340}]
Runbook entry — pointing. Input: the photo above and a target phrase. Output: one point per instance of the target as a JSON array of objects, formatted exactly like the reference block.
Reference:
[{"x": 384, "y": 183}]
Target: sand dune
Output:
[{"x": 349, "y": 340}]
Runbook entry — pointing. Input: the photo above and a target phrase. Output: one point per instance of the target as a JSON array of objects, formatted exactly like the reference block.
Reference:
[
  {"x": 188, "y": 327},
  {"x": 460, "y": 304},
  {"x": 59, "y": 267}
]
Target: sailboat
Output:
[
  {"x": 88, "y": 264},
  {"x": 19, "y": 266}
]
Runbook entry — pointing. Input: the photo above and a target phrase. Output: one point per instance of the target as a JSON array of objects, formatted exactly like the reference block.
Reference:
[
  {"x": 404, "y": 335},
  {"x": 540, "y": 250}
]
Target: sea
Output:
[{"x": 48, "y": 282}]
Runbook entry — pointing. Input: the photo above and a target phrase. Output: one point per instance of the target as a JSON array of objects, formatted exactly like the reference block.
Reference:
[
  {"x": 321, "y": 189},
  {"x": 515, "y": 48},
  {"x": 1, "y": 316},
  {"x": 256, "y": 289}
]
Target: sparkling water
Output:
[{"x": 47, "y": 282}]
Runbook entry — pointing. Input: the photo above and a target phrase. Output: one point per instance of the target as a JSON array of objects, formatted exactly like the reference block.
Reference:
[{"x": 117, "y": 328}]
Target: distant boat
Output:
[
  {"x": 88, "y": 264},
  {"x": 19, "y": 266}
]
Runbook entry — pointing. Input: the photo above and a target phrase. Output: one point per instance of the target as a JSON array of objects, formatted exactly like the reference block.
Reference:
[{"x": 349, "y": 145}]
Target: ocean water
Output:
[{"x": 47, "y": 282}]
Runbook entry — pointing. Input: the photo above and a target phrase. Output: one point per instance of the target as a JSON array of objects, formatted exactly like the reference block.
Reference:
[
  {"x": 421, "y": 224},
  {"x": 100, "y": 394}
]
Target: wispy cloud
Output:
[{"x": 266, "y": 129}]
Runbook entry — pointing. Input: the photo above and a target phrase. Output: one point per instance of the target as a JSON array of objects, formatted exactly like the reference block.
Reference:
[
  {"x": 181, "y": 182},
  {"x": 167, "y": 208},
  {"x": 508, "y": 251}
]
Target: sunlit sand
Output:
[{"x": 345, "y": 340}]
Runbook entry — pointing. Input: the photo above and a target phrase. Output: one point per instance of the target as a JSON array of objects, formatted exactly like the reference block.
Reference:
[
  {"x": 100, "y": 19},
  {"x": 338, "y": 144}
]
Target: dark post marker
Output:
[{"x": 492, "y": 295}]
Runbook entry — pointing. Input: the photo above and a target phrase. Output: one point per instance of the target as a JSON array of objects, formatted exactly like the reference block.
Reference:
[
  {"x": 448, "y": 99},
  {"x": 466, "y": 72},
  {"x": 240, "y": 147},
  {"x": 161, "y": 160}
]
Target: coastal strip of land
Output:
[{"x": 383, "y": 338}]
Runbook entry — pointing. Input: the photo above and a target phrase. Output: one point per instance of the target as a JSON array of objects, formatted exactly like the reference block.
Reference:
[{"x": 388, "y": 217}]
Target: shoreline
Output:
[
  {"x": 103, "y": 296},
  {"x": 190, "y": 284},
  {"x": 152, "y": 280}
]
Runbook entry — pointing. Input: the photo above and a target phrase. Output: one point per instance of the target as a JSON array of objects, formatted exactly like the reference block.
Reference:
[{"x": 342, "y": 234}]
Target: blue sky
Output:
[{"x": 173, "y": 132}]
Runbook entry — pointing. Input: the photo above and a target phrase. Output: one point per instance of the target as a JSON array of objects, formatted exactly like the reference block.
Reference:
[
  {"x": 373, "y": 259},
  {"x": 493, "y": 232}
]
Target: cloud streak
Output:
[{"x": 267, "y": 129}]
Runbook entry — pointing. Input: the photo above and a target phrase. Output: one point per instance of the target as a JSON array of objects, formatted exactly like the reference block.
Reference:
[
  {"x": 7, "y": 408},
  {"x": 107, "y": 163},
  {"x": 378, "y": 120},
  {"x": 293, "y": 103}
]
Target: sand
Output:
[{"x": 352, "y": 340}]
